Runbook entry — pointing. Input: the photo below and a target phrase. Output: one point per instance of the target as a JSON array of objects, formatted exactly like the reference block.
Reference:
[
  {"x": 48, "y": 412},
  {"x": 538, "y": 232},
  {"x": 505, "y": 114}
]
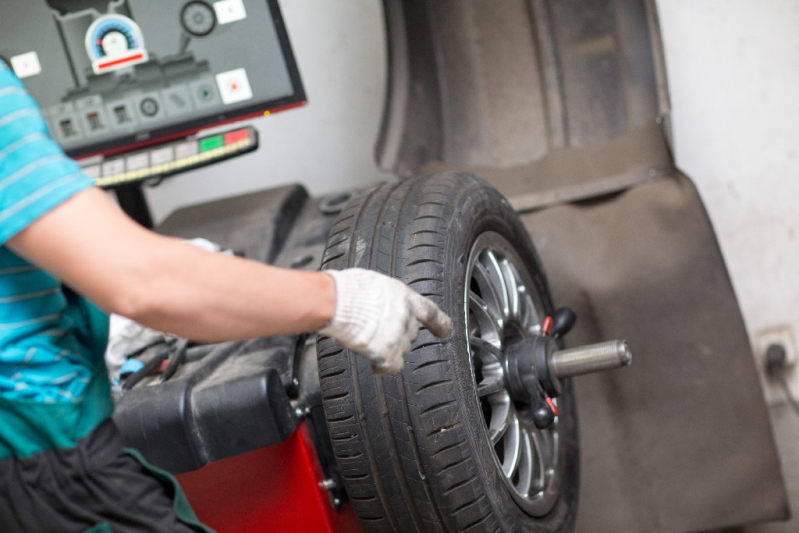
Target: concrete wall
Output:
[{"x": 733, "y": 68}]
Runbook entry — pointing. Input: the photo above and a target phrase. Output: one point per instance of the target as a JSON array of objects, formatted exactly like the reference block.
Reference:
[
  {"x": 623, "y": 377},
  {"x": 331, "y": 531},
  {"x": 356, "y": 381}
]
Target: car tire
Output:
[{"x": 415, "y": 449}]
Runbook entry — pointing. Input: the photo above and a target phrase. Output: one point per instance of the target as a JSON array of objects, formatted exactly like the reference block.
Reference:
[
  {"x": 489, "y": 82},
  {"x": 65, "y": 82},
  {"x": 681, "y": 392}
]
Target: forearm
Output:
[
  {"x": 213, "y": 297},
  {"x": 167, "y": 284}
]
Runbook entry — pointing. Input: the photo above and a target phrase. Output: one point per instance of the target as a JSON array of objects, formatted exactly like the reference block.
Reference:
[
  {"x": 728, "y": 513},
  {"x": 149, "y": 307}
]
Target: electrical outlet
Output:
[{"x": 772, "y": 390}]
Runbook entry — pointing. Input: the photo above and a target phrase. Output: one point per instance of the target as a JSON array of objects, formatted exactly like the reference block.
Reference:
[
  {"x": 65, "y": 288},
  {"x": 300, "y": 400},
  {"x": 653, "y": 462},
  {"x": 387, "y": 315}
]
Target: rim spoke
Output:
[
  {"x": 513, "y": 448},
  {"x": 546, "y": 442},
  {"x": 501, "y": 416},
  {"x": 528, "y": 315},
  {"x": 493, "y": 381},
  {"x": 487, "y": 351},
  {"x": 512, "y": 284},
  {"x": 490, "y": 290},
  {"x": 523, "y": 486},
  {"x": 498, "y": 281},
  {"x": 488, "y": 322},
  {"x": 540, "y": 478}
]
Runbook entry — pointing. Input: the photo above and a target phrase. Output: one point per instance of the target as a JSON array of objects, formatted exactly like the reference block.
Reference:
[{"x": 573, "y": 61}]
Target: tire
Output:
[{"x": 414, "y": 448}]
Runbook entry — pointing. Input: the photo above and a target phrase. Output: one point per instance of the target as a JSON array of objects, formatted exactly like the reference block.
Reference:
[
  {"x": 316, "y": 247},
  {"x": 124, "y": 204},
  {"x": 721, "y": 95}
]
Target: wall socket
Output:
[{"x": 772, "y": 390}]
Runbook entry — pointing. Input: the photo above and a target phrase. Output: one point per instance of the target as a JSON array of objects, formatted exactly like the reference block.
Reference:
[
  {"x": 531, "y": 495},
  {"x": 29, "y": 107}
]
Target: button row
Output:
[{"x": 172, "y": 158}]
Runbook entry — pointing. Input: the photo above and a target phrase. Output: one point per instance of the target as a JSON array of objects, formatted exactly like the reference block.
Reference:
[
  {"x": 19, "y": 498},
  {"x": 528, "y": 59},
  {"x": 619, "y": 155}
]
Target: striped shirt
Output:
[{"x": 49, "y": 364}]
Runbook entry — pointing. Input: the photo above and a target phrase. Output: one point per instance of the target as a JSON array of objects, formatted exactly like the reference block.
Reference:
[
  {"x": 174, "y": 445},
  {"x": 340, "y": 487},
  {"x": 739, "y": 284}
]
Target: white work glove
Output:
[{"x": 378, "y": 317}]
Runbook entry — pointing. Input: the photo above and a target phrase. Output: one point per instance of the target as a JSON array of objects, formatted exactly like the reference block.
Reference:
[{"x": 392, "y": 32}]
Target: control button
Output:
[
  {"x": 65, "y": 124},
  {"x": 113, "y": 167},
  {"x": 236, "y": 136},
  {"x": 26, "y": 65},
  {"x": 161, "y": 155},
  {"x": 186, "y": 149},
  {"x": 137, "y": 161},
  {"x": 209, "y": 143},
  {"x": 62, "y": 109},
  {"x": 149, "y": 107},
  {"x": 234, "y": 86},
  {"x": 89, "y": 101},
  {"x": 92, "y": 171},
  {"x": 177, "y": 100}
]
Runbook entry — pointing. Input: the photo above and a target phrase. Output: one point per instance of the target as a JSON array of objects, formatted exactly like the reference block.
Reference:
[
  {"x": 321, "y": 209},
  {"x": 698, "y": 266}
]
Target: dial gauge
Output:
[{"x": 114, "y": 42}]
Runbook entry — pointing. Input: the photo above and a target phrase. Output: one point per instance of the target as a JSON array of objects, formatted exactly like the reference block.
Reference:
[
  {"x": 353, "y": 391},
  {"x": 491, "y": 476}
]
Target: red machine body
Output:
[{"x": 274, "y": 489}]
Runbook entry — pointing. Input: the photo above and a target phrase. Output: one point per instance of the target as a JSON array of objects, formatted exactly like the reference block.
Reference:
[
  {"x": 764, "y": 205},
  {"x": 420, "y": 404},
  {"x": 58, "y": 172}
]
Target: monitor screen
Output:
[{"x": 115, "y": 74}]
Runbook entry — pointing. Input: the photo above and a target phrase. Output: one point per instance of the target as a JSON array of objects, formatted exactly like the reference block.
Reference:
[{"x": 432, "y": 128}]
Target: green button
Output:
[{"x": 209, "y": 143}]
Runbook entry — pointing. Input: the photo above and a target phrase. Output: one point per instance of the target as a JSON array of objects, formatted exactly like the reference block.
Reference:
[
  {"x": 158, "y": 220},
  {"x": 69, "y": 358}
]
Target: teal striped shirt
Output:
[{"x": 53, "y": 388}]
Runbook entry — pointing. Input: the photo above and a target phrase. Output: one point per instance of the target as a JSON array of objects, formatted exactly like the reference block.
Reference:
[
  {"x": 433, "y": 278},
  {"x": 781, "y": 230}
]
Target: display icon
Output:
[
  {"x": 67, "y": 128},
  {"x": 122, "y": 115},
  {"x": 234, "y": 86},
  {"x": 176, "y": 100},
  {"x": 198, "y": 18},
  {"x": 94, "y": 121},
  {"x": 149, "y": 107},
  {"x": 26, "y": 65},
  {"x": 228, "y": 11},
  {"x": 205, "y": 93}
]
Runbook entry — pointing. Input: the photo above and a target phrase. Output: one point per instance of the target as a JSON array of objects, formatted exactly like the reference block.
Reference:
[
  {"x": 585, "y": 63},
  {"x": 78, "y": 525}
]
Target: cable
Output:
[
  {"x": 775, "y": 365},
  {"x": 781, "y": 378}
]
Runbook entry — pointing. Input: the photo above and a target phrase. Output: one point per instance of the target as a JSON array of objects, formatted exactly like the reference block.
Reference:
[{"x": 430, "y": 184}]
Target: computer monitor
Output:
[{"x": 114, "y": 75}]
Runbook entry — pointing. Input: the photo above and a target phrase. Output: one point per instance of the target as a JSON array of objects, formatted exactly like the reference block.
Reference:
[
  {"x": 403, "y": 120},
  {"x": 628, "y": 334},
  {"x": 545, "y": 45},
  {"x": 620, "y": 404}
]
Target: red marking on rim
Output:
[
  {"x": 546, "y": 327},
  {"x": 552, "y": 406}
]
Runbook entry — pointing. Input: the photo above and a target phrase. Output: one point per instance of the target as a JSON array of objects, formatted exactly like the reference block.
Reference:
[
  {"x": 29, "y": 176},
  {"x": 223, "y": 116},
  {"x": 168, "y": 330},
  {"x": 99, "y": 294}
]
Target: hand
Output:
[{"x": 378, "y": 317}]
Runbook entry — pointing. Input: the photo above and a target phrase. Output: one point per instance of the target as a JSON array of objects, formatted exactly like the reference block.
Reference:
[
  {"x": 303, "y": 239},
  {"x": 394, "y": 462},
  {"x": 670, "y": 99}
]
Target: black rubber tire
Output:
[{"x": 412, "y": 447}]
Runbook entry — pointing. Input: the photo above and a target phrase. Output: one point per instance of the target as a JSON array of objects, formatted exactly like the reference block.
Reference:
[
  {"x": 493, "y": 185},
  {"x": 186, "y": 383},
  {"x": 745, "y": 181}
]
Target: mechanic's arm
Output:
[{"x": 169, "y": 285}]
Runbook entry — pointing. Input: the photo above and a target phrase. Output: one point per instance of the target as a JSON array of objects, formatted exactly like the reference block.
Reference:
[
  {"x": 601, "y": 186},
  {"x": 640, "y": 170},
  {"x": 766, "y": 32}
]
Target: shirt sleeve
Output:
[{"x": 35, "y": 174}]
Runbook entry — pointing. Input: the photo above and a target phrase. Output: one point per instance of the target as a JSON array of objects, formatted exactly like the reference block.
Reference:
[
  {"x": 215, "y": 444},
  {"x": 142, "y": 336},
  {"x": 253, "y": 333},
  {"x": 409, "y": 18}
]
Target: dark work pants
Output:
[{"x": 96, "y": 486}]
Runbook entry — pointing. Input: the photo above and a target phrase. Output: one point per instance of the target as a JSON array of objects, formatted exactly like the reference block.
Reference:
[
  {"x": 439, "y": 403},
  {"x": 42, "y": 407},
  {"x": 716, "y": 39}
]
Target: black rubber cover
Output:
[{"x": 225, "y": 401}]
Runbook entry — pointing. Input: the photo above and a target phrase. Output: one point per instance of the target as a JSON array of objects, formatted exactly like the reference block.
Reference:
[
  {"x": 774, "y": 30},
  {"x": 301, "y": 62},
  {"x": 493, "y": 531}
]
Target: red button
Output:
[{"x": 236, "y": 136}]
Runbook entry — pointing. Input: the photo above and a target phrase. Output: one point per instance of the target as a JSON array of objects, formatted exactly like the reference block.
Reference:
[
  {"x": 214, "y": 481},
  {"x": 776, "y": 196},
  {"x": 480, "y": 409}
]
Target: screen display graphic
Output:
[{"x": 115, "y": 73}]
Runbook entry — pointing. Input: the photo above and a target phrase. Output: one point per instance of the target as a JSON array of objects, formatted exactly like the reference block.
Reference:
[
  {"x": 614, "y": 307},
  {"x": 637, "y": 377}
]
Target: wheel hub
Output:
[
  {"x": 520, "y": 363},
  {"x": 517, "y": 367}
]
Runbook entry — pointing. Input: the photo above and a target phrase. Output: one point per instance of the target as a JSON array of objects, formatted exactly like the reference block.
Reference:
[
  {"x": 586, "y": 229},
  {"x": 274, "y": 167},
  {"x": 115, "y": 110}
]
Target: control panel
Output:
[{"x": 171, "y": 158}]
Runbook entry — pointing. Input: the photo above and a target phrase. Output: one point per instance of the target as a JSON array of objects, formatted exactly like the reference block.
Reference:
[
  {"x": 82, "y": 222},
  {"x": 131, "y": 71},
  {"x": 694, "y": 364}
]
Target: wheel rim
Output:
[{"x": 502, "y": 305}]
